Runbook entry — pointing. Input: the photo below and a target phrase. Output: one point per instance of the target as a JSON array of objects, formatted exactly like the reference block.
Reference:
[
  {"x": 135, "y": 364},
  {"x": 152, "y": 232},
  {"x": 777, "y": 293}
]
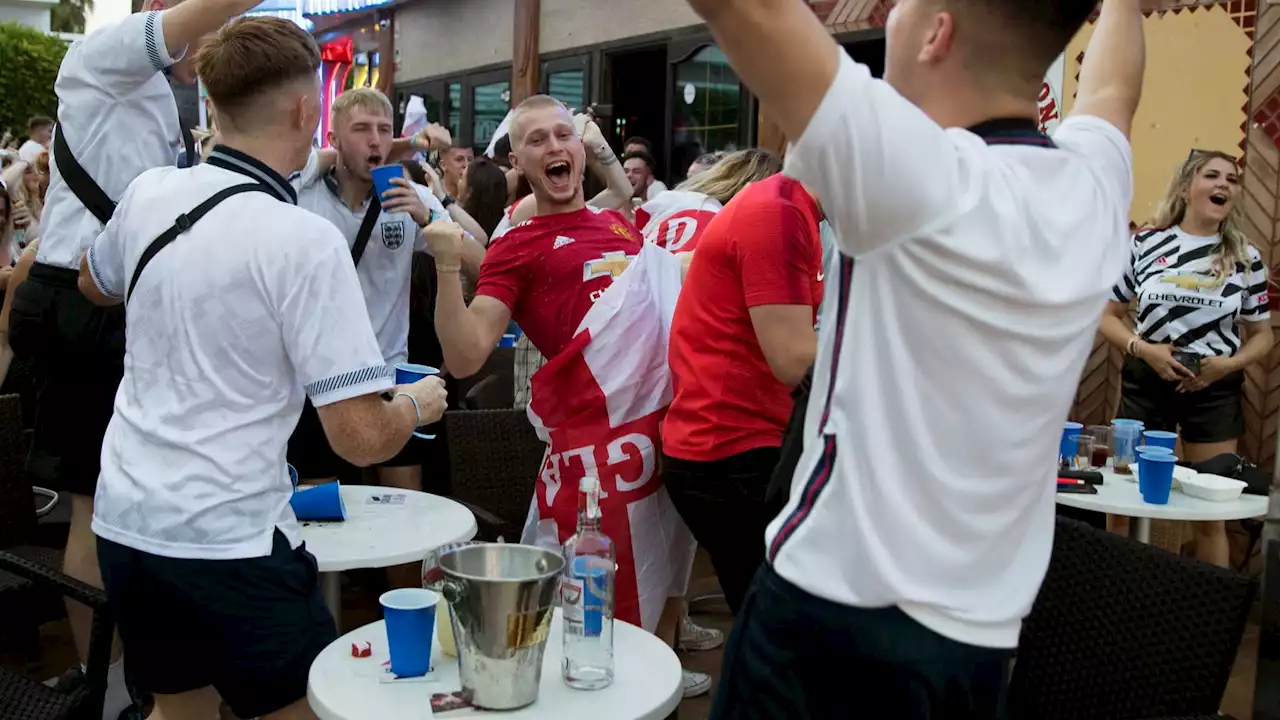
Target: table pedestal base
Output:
[
  {"x": 1140, "y": 530},
  {"x": 331, "y": 589}
]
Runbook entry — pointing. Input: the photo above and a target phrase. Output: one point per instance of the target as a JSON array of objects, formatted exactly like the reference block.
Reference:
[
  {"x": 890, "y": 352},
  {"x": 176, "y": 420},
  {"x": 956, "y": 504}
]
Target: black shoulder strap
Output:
[
  {"x": 189, "y": 144},
  {"x": 90, "y": 194},
  {"x": 183, "y": 224},
  {"x": 366, "y": 229}
]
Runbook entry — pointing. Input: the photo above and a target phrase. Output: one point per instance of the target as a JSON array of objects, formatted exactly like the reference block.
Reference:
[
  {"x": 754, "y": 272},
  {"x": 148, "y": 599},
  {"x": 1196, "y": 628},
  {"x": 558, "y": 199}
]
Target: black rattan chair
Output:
[
  {"x": 23, "y": 606},
  {"x": 25, "y": 699},
  {"x": 494, "y": 456},
  {"x": 1125, "y": 631}
]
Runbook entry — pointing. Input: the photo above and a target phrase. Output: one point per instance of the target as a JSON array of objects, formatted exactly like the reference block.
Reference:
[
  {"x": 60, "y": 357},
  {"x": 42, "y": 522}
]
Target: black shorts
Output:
[
  {"x": 310, "y": 454},
  {"x": 794, "y": 655},
  {"x": 1214, "y": 414},
  {"x": 249, "y": 628},
  {"x": 77, "y": 352}
]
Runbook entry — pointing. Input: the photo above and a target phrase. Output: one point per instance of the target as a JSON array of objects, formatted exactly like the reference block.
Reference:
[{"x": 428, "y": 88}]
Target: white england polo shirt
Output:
[
  {"x": 949, "y": 353},
  {"x": 386, "y": 268},
  {"x": 227, "y": 326},
  {"x": 118, "y": 115}
]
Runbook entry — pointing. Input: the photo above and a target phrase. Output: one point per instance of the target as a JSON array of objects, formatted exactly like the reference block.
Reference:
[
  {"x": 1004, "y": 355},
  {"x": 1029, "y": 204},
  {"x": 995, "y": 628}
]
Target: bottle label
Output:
[
  {"x": 571, "y": 599},
  {"x": 594, "y": 584}
]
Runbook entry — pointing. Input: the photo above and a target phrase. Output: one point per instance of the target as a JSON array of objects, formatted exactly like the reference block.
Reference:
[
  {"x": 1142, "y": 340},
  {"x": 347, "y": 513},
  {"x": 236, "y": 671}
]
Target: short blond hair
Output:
[
  {"x": 529, "y": 104},
  {"x": 361, "y": 98}
]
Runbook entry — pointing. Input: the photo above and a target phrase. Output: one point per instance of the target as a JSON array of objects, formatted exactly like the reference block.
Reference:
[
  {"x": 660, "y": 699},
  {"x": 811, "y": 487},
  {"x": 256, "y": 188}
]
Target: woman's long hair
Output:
[
  {"x": 1233, "y": 251},
  {"x": 486, "y": 193},
  {"x": 732, "y": 173}
]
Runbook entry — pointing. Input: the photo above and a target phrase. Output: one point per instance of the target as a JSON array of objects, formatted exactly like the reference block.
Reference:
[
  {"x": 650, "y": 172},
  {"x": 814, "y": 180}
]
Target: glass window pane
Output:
[
  {"x": 455, "y": 110},
  {"x": 567, "y": 88},
  {"x": 491, "y": 106},
  {"x": 707, "y": 103}
]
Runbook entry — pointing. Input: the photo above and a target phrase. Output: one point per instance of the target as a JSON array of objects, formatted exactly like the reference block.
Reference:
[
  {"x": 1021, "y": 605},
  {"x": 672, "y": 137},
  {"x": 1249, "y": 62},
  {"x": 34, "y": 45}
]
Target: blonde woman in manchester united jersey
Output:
[{"x": 1202, "y": 318}]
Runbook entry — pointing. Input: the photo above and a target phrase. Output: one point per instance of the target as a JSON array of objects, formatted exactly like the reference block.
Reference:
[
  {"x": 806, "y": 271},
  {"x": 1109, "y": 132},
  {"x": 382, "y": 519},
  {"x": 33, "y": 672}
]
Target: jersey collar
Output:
[
  {"x": 231, "y": 159},
  {"x": 1011, "y": 131}
]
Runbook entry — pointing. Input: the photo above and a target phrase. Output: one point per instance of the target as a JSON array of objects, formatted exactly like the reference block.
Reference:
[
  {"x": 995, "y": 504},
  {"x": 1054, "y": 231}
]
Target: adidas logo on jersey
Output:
[{"x": 561, "y": 241}]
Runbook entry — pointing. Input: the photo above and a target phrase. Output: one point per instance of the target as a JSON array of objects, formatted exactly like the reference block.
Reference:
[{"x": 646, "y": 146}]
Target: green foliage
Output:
[
  {"x": 68, "y": 15},
  {"x": 31, "y": 61}
]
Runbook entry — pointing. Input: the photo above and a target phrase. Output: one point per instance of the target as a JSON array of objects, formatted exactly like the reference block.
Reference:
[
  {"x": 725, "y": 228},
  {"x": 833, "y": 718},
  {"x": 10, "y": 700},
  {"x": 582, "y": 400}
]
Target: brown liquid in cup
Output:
[{"x": 1100, "y": 455}]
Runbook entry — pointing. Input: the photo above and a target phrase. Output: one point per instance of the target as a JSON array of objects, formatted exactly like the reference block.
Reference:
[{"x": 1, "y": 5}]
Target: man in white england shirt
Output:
[
  {"x": 245, "y": 312},
  {"x": 899, "y": 572},
  {"x": 118, "y": 118}
]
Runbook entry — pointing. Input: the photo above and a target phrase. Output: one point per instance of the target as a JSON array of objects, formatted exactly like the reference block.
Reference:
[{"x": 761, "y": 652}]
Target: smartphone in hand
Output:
[{"x": 1188, "y": 360}]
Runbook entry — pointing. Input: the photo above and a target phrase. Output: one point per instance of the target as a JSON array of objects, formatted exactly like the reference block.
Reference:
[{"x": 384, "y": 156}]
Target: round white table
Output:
[
  {"x": 382, "y": 531},
  {"x": 1119, "y": 495},
  {"x": 646, "y": 686}
]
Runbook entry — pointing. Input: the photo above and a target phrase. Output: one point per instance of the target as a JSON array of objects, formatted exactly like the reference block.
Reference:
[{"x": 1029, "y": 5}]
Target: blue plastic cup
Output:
[
  {"x": 408, "y": 374},
  {"x": 1141, "y": 452},
  {"x": 322, "y": 502},
  {"x": 1161, "y": 438},
  {"x": 411, "y": 621},
  {"x": 1156, "y": 478},
  {"x": 1069, "y": 445},
  {"x": 382, "y": 177}
]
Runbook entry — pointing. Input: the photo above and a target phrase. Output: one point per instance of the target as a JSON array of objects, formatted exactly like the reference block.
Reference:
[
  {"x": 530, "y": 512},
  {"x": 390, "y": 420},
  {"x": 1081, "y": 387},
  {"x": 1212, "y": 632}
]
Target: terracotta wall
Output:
[{"x": 1212, "y": 99}]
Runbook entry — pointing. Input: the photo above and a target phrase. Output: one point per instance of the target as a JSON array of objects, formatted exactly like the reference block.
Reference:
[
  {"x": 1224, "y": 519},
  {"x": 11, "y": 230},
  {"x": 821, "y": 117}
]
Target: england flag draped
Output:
[{"x": 599, "y": 404}]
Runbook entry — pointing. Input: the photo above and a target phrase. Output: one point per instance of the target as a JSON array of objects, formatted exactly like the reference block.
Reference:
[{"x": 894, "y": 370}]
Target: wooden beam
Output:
[
  {"x": 387, "y": 56},
  {"x": 525, "y": 65}
]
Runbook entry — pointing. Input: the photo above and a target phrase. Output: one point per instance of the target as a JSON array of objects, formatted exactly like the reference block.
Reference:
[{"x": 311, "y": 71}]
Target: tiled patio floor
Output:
[{"x": 361, "y": 607}]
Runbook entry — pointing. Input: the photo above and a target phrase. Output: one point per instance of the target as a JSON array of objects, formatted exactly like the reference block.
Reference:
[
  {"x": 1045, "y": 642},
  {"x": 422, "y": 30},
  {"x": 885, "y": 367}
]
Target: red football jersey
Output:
[
  {"x": 551, "y": 269},
  {"x": 676, "y": 219},
  {"x": 764, "y": 248}
]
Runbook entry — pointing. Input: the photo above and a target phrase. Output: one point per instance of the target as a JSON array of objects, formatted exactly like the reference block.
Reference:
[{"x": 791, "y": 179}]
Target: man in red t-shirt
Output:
[
  {"x": 742, "y": 337},
  {"x": 547, "y": 273}
]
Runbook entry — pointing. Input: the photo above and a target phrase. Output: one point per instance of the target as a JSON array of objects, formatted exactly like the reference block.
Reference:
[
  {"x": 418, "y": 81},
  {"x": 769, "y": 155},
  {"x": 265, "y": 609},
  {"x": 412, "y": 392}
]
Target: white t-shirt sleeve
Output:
[
  {"x": 309, "y": 174},
  {"x": 435, "y": 209},
  {"x": 1255, "y": 306},
  {"x": 123, "y": 56},
  {"x": 326, "y": 326},
  {"x": 30, "y": 151},
  {"x": 1127, "y": 288},
  {"x": 1105, "y": 149},
  {"x": 108, "y": 253},
  {"x": 883, "y": 169}
]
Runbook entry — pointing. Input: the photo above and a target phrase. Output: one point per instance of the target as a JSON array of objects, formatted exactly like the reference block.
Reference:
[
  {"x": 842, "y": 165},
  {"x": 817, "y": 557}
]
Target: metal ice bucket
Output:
[{"x": 501, "y": 597}]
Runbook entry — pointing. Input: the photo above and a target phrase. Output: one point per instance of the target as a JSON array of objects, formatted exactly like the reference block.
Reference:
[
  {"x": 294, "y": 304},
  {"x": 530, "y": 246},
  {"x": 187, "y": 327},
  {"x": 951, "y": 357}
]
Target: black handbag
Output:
[
  {"x": 779, "y": 490},
  {"x": 1236, "y": 467}
]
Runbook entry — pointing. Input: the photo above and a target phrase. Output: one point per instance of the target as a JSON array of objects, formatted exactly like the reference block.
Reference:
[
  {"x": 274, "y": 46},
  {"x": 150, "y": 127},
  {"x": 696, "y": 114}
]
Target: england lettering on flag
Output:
[
  {"x": 599, "y": 404},
  {"x": 676, "y": 219}
]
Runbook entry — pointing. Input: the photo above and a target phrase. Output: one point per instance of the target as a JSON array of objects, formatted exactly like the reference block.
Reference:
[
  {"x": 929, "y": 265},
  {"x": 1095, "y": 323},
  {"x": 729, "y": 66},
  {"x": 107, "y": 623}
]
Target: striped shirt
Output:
[{"x": 1182, "y": 297}]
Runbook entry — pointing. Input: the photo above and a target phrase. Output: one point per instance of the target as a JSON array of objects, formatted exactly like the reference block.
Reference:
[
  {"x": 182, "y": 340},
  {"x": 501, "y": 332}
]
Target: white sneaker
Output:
[
  {"x": 696, "y": 638},
  {"x": 696, "y": 683}
]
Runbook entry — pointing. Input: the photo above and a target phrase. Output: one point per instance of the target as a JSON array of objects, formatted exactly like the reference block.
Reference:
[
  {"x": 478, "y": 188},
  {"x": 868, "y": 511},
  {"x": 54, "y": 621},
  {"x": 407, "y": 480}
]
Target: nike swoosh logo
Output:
[{"x": 820, "y": 276}]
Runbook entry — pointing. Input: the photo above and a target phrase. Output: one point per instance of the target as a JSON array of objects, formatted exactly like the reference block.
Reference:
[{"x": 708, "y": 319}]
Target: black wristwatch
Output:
[{"x": 446, "y": 201}]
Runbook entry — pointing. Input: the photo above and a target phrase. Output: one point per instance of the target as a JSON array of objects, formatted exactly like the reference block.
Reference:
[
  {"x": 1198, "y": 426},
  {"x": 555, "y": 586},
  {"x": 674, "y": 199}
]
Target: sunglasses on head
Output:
[{"x": 1217, "y": 153}]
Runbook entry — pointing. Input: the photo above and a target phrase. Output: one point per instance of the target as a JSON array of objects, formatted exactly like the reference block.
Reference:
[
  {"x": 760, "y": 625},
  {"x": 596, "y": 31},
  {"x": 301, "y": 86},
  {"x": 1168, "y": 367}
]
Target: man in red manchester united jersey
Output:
[{"x": 547, "y": 273}]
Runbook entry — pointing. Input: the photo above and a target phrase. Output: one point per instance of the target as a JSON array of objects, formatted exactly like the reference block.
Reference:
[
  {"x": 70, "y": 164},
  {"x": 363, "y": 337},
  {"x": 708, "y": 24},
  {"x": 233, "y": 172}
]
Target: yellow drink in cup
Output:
[{"x": 444, "y": 630}]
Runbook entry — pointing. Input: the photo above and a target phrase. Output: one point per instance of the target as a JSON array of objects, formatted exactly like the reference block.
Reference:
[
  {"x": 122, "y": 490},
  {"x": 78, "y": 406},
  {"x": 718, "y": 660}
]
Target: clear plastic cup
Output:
[{"x": 1124, "y": 441}]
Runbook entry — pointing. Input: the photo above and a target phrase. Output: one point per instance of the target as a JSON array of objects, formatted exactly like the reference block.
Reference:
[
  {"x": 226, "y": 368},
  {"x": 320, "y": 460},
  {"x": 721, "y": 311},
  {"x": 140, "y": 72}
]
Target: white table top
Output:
[
  {"x": 377, "y": 535},
  {"x": 1119, "y": 495},
  {"x": 647, "y": 682}
]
